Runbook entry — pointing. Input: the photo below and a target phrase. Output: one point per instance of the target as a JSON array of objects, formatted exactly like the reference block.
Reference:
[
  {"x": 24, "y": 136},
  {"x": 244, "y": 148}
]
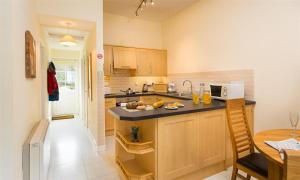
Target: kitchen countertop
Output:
[{"x": 189, "y": 107}]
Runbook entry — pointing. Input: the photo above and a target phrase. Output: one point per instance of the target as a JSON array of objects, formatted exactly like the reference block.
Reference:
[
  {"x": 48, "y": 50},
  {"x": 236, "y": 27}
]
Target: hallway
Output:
[{"x": 73, "y": 156}]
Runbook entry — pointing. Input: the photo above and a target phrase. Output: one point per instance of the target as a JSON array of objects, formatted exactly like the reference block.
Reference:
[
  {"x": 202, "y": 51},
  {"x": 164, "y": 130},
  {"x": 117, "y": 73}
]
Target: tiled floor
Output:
[{"x": 73, "y": 156}]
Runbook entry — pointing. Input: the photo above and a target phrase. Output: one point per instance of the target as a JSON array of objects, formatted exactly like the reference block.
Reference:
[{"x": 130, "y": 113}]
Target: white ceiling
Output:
[
  {"x": 55, "y": 27},
  {"x": 162, "y": 10},
  {"x": 53, "y": 35},
  {"x": 54, "y": 21}
]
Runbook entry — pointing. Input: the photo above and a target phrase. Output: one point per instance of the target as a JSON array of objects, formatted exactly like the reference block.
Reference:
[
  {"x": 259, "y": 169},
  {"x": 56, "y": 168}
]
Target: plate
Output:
[{"x": 173, "y": 108}]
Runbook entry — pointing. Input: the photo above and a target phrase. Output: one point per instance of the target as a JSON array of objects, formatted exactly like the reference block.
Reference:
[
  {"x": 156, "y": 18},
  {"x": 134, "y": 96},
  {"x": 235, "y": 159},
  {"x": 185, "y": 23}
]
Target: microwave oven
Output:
[{"x": 227, "y": 91}]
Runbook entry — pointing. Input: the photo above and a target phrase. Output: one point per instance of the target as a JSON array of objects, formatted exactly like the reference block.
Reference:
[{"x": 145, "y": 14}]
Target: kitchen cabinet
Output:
[
  {"x": 177, "y": 150},
  {"x": 109, "y": 119},
  {"x": 108, "y": 60},
  {"x": 159, "y": 63},
  {"x": 146, "y": 62},
  {"x": 151, "y": 62},
  {"x": 189, "y": 146},
  {"x": 124, "y": 58},
  {"x": 211, "y": 137}
]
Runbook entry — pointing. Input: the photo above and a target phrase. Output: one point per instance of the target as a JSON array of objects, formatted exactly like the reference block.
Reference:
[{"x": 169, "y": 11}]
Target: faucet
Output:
[{"x": 190, "y": 84}]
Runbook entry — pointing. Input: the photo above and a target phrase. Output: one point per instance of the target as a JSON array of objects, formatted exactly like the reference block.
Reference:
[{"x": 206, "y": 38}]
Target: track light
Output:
[{"x": 142, "y": 5}]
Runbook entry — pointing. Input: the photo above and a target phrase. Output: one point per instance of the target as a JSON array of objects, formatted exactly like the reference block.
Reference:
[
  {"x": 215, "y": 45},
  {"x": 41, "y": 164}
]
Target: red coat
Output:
[{"x": 52, "y": 82}]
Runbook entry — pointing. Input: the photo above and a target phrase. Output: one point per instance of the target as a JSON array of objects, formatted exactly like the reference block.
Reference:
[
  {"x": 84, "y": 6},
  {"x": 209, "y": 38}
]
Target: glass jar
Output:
[
  {"x": 201, "y": 90},
  {"x": 206, "y": 98},
  {"x": 196, "y": 97}
]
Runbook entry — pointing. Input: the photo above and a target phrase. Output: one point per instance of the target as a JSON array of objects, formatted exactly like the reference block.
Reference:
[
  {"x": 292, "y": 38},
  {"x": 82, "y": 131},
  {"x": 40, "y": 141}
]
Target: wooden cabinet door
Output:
[
  {"x": 124, "y": 58},
  {"x": 108, "y": 59},
  {"x": 177, "y": 144},
  {"x": 151, "y": 62},
  {"x": 159, "y": 62},
  {"x": 109, "y": 119},
  {"x": 211, "y": 137},
  {"x": 144, "y": 63}
]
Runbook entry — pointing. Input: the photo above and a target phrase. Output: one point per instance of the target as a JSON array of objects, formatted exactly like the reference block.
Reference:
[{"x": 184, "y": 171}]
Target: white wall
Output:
[
  {"x": 264, "y": 35},
  {"x": 124, "y": 31},
  {"x": 6, "y": 85},
  {"x": 20, "y": 101}
]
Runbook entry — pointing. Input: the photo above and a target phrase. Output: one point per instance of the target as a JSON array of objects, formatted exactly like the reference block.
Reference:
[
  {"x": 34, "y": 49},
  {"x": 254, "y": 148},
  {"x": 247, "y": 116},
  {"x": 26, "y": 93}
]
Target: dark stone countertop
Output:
[{"x": 189, "y": 107}]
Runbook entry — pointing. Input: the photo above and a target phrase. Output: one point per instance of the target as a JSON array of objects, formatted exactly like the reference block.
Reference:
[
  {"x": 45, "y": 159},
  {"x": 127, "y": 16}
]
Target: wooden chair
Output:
[
  {"x": 244, "y": 157},
  {"x": 291, "y": 170}
]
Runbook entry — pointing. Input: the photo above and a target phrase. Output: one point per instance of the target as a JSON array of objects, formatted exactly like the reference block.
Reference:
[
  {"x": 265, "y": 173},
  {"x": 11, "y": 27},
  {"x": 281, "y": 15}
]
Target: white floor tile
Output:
[{"x": 73, "y": 156}]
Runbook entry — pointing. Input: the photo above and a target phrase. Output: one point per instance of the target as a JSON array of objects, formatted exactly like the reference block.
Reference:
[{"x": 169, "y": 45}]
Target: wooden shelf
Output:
[
  {"x": 133, "y": 171},
  {"x": 134, "y": 147}
]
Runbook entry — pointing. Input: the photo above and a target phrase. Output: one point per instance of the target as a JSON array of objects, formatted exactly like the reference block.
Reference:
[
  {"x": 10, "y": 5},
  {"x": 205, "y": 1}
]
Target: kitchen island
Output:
[{"x": 188, "y": 143}]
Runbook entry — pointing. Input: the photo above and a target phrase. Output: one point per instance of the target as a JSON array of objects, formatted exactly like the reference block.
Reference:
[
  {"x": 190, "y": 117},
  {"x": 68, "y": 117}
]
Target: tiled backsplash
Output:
[
  {"x": 116, "y": 83},
  {"x": 246, "y": 76}
]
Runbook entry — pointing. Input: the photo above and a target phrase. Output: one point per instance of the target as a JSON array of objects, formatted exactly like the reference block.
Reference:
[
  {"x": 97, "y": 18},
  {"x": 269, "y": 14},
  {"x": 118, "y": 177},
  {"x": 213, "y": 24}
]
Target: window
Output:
[{"x": 65, "y": 74}]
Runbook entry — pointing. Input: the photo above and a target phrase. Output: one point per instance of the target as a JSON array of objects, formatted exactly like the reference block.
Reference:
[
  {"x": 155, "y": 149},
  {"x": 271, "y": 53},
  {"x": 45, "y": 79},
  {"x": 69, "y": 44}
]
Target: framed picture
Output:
[
  {"x": 30, "y": 56},
  {"x": 90, "y": 76}
]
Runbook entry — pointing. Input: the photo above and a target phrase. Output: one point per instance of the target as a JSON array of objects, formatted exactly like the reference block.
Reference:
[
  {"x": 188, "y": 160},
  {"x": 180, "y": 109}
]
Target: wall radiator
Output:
[{"x": 36, "y": 153}]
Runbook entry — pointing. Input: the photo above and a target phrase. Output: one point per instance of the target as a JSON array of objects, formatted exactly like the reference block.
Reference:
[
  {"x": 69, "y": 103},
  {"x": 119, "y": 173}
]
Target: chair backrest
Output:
[
  {"x": 291, "y": 170},
  {"x": 240, "y": 135}
]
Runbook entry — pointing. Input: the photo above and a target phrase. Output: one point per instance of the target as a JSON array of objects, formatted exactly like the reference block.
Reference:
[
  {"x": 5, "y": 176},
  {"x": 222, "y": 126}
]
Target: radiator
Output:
[{"x": 36, "y": 153}]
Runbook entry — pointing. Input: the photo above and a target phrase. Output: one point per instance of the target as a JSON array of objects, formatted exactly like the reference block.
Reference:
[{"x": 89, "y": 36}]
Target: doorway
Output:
[{"x": 67, "y": 74}]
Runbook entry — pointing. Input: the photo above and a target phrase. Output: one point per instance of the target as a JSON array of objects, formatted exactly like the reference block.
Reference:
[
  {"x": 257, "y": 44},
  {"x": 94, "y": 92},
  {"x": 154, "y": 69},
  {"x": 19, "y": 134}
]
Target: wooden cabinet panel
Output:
[
  {"x": 124, "y": 58},
  {"x": 177, "y": 137},
  {"x": 211, "y": 137},
  {"x": 144, "y": 63},
  {"x": 159, "y": 63},
  {"x": 109, "y": 119},
  {"x": 151, "y": 62},
  {"x": 108, "y": 59},
  {"x": 147, "y": 62}
]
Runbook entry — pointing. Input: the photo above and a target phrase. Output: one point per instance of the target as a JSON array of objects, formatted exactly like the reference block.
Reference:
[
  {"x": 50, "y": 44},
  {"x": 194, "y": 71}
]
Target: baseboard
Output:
[{"x": 93, "y": 141}]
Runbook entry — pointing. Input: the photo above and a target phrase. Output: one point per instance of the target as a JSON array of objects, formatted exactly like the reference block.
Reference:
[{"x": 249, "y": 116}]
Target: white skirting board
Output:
[{"x": 92, "y": 139}]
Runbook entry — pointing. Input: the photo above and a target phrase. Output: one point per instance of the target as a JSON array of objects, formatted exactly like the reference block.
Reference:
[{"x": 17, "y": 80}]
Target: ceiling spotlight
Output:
[{"x": 152, "y": 2}]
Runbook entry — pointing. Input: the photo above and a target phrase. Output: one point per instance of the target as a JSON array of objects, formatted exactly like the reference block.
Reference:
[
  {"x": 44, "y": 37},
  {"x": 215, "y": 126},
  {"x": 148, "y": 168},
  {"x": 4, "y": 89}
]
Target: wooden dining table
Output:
[{"x": 275, "y": 163}]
